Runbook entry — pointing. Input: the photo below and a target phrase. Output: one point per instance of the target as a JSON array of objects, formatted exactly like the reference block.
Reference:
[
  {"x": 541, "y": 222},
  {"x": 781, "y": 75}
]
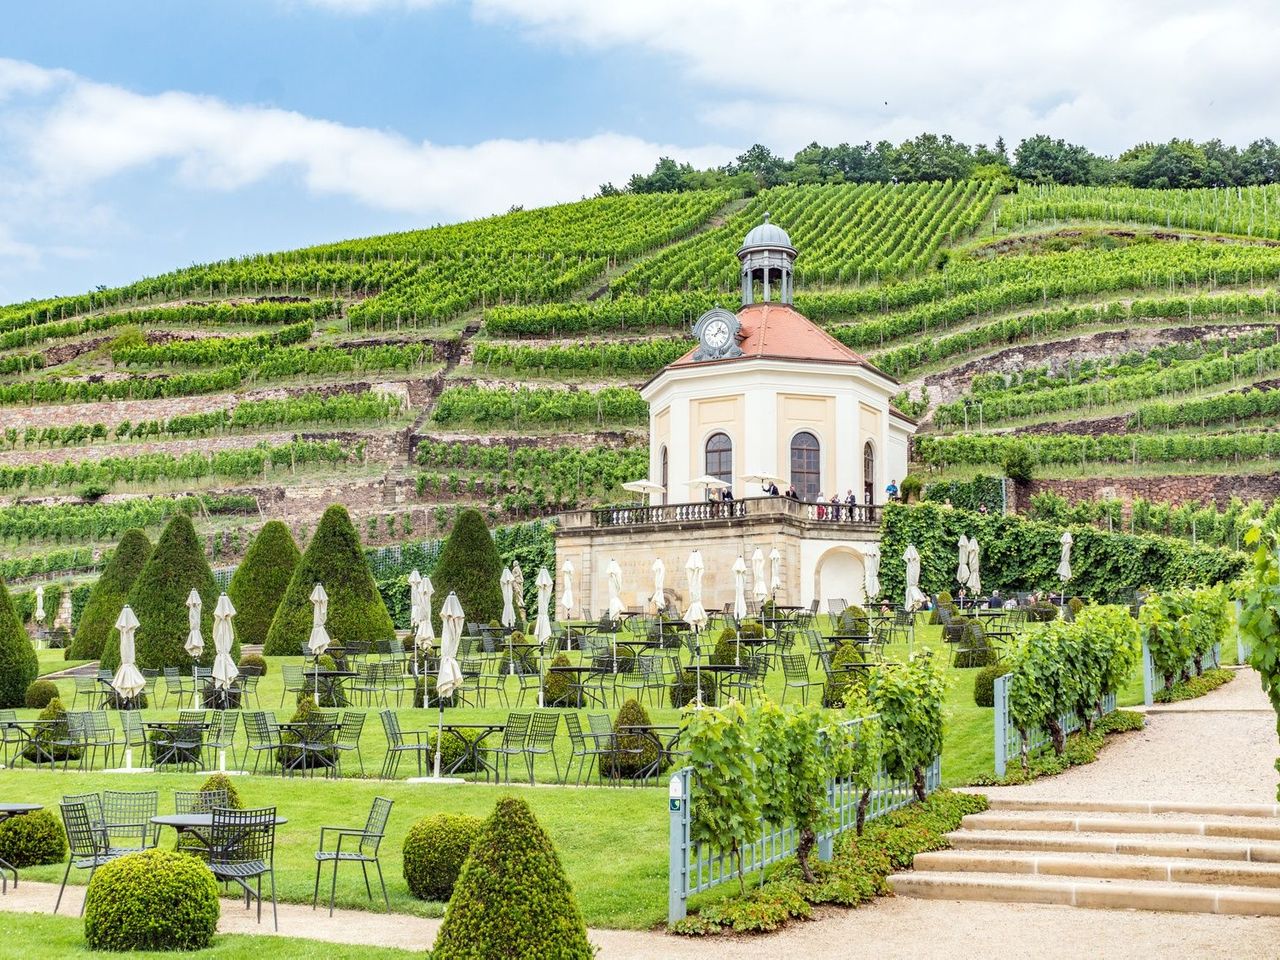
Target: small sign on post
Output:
[{"x": 675, "y": 795}]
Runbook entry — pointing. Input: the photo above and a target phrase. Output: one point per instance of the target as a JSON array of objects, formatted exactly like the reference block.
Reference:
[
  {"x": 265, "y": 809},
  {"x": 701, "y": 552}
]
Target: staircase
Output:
[{"x": 1124, "y": 855}]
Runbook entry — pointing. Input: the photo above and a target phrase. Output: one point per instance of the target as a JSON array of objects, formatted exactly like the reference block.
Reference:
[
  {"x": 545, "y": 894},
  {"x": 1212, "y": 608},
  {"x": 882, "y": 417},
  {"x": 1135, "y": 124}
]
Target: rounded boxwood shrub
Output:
[
  {"x": 154, "y": 900},
  {"x": 1074, "y": 606},
  {"x": 556, "y": 689},
  {"x": 844, "y": 688},
  {"x": 356, "y": 611},
  {"x": 33, "y": 839},
  {"x": 108, "y": 595},
  {"x": 40, "y": 694},
  {"x": 513, "y": 898},
  {"x": 978, "y": 652},
  {"x": 526, "y": 658},
  {"x": 260, "y": 582},
  {"x": 469, "y": 566},
  {"x": 220, "y": 781},
  {"x": 984, "y": 685},
  {"x": 685, "y": 686},
  {"x": 1042, "y": 612},
  {"x": 633, "y": 752},
  {"x": 253, "y": 661},
  {"x": 42, "y": 749},
  {"x": 19, "y": 665},
  {"x": 291, "y": 754},
  {"x": 434, "y": 850},
  {"x": 159, "y": 599}
]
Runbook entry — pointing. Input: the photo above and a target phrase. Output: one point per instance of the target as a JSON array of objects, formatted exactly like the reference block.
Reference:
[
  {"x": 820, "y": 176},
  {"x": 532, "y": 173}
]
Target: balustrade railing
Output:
[{"x": 710, "y": 510}]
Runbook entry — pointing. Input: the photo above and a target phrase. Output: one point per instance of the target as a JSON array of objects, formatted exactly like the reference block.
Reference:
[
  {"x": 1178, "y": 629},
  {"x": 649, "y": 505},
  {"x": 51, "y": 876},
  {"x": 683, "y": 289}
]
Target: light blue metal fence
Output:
[
  {"x": 1153, "y": 682},
  {"x": 694, "y": 867},
  {"x": 1008, "y": 741}
]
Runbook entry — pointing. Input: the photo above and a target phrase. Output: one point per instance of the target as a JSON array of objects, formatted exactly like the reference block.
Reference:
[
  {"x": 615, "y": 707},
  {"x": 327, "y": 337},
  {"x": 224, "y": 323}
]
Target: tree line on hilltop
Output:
[{"x": 1038, "y": 159}]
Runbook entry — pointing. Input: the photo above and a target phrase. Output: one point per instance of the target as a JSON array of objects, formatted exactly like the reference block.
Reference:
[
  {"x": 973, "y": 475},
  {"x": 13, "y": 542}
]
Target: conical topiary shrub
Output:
[
  {"x": 108, "y": 595},
  {"x": 469, "y": 566},
  {"x": 356, "y": 611},
  {"x": 260, "y": 581},
  {"x": 19, "y": 665},
  {"x": 159, "y": 600},
  {"x": 512, "y": 898}
]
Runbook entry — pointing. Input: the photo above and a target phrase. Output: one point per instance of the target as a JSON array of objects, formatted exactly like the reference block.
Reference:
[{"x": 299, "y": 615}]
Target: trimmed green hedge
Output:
[
  {"x": 108, "y": 596},
  {"x": 260, "y": 582},
  {"x": 19, "y": 665},
  {"x": 435, "y": 849},
  {"x": 469, "y": 566},
  {"x": 154, "y": 900},
  {"x": 40, "y": 694},
  {"x": 33, "y": 839},
  {"x": 356, "y": 611}
]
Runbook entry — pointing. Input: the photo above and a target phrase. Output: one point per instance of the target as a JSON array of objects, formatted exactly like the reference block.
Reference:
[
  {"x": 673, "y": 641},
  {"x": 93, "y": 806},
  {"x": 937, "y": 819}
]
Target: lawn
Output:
[{"x": 24, "y": 934}]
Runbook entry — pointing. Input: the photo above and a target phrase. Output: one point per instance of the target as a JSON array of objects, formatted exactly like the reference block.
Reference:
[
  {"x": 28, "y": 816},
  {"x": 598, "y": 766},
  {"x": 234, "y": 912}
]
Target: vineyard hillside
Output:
[{"x": 1121, "y": 346}]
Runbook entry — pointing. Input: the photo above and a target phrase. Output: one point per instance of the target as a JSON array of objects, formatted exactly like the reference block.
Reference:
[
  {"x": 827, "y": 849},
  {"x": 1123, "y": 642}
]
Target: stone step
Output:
[
  {"x": 1103, "y": 866},
  {"x": 1088, "y": 892},
  {"x": 1252, "y": 828},
  {"x": 1136, "y": 806},
  {"x": 1150, "y": 845}
]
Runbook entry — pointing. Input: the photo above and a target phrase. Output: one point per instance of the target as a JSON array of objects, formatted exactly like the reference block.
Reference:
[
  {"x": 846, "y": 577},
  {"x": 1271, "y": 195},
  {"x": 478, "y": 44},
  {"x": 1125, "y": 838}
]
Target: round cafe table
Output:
[
  {"x": 8, "y": 810},
  {"x": 192, "y": 824}
]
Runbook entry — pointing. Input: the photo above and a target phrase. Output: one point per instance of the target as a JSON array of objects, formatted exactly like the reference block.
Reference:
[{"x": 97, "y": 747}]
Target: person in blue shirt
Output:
[{"x": 891, "y": 490}]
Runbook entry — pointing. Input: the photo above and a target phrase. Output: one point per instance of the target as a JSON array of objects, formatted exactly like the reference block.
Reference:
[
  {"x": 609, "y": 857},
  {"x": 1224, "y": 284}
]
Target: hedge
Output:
[
  {"x": 108, "y": 595},
  {"x": 260, "y": 581},
  {"x": 154, "y": 900},
  {"x": 19, "y": 665},
  {"x": 469, "y": 566}
]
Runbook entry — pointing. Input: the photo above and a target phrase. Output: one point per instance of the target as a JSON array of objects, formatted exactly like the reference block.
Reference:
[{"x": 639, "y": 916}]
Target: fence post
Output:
[
  {"x": 1148, "y": 681},
  {"x": 825, "y": 839},
  {"x": 1001, "y": 720},
  {"x": 678, "y": 803}
]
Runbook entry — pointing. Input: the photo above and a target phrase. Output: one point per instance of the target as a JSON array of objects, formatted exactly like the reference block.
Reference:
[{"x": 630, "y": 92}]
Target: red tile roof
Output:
[{"x": 776, "y": 331}]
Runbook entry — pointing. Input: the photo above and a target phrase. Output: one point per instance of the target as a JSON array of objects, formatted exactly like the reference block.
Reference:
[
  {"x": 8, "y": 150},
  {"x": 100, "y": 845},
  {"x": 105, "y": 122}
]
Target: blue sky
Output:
[{"x": 140, "y": 136}]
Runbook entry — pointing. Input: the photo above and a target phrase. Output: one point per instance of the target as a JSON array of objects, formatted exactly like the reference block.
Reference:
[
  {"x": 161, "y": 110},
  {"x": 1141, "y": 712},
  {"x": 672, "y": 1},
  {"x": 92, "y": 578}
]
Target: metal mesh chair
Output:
[
  {"x": 127, "y": 819},
  {"x": 365, "y": 852},
  {"x": 513, "y": 739},
  {"x": 541, "y": 740},
  {"x": 795, "y": 672},
  {"x": 585, "y": 748},
  {"x": 294, "y": 681},
  {"x": 87, "y": 687},
  {"x": 242, "y": 847},
  {"x": 98, "y": 735},
  {"x": 263, "y": 736},
  {"x": 348, "y": 739},
  {"x": 177, "y": 683},
  {"x": 222, "y": 734},
  {"x": 400, "y": 742},
  {"x": 87, "y": 843}
]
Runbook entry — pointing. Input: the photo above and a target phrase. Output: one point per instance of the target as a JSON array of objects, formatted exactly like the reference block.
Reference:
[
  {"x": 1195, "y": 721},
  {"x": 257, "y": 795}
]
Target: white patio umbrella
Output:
[
  {"x": 508, "y": 611},
  {"x": 696, "y": 616},
  {"x": 871, "y": 572},
  {"x": 614, "y": 577},
  {"x": 128, "y": 681},
  {"x": 224, "y": 668},
  {"x": 450, "y": 677},
  {"x": 962, "y": 568},
  {"x": 195, "y": 643},
  {"x": 975, "y": 581},
  {"x": 517, "y": 590},
  {"x": 739, "y": 605},
  {"x": 319, "y": 641},
  {"x": 425, "y": 635},
  {"x": 914, "y": 599},
  {"x": 775, "y": 572},
  {"x": 542, "y": 626},
  {"x": 707, "y": 482},
  {"x": 1064, "y": 564},
  {"x": 759, "y": 589},
  {"x": 39, "y": 613},
  {"x": 415, "y": 599},
  {"x": 659, "y": 597}
]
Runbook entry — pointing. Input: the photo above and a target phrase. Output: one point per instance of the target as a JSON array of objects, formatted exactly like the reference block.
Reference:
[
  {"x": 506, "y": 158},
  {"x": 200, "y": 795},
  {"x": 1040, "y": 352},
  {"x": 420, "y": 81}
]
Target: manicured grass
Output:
[
  {"x": 54, "y": 661},
  {"x": 23, "y": 935}
]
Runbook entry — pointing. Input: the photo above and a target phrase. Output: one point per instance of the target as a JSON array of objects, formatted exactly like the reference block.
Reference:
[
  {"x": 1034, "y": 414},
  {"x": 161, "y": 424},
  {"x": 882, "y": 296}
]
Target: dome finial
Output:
[{"x": 766, "y": 216}]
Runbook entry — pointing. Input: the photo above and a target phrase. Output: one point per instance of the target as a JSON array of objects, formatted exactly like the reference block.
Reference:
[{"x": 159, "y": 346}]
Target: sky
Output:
[{"x": 139, "y": 136}]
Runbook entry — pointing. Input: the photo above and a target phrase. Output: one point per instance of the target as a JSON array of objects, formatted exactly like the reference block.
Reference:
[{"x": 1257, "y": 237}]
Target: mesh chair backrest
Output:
[
  {"x": 128, "y": 814},
  {"x": 199, "y": 801},
  {"x": 8, "y": 716},
  {"x": 516, "y": 730},
  {"x": 99, "y": 724},
  {"x": 758, "y": 667},
  {"x": 257, "y": 728},
  {"x": 794, "y": 667},
  {"x": 191, "y": 716},
  {"x": 171, "y": 673},
  {"x": 544, "y": 728},
  {"x": 376, "y": 826},
  {"x": 599, "y": 723},
  {"x": 76, "y": 726},
  {"x": 131, "y": 724},
  {"x": 352, "y": 725},
  {"x": 292, "y": 673},
  {"x": 573, "y": 723},
  {"x": 223, "y": 730},
  {"x": 92, "y": 803},
  {"x": 391, "y": 724},
  {"x": 86, "y": 684},
  {"x": 242, "y": 836},
  {"x": 84, "y": 833}
]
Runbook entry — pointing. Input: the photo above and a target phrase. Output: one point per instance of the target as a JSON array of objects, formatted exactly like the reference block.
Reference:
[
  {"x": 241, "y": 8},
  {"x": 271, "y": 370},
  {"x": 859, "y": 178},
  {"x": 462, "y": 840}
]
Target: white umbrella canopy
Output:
[
  {"x": 975, "y": 580},
  {"x": 426, "y": 632},
  {"x": 871, "y": 572},
  {"x": 614, "y": 576},
  {"x": 962, "y": 568},
  {"x": 508, "y": 611},
  {"x": 695, "y": 616},
  {"x": 739, "y": 589},
  {"x": 775, "y": 570},
  {"x": 707, "y": 483},
  {"x": 645, "y": 487},
  {"x": 566, "y": 598},
  {"x": 761, "y": 478},
  {"x": 319, "y": 641},
  {"x": 659, "y": 597},
  {"x": 1064, "y": 564},
  {"x": 915, "y": 598},
  {"x": 195, "y": 642},
  {"x": 759, "y": 588},
  {"x": 39, "y": 614},
  {"x": 224, "y": 668},
  {"x": 542, "y": 626},
  {"x": 128, "y": 681},
  {"x": 415, "y": 598},
  {"x": 451, "y": 621}
]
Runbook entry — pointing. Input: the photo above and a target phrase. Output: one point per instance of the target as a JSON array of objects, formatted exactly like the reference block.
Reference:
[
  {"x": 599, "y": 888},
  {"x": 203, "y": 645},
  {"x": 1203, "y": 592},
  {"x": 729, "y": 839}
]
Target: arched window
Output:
[
  {"x": 868, "y": 473},
  {"x": 806, "y": 465},
  {"x": 720, "y": 457},
  {"x": 663, "y": 471}
]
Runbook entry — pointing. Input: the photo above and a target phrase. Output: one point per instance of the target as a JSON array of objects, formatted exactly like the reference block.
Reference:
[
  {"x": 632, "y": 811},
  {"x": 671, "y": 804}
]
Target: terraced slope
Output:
[{"x": 495, "y": 362}]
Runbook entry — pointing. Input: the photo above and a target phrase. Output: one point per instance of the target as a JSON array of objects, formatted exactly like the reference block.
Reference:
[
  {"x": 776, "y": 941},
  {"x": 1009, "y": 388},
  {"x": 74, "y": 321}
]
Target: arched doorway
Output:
[
  {"x": 840, "y": 572},
  {"x": 806, "y": 465},
  {"x": 868, "y": 473}
]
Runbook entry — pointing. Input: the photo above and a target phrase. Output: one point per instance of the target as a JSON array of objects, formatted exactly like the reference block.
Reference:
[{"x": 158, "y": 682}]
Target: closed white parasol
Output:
[
  {"x": 224, "y": 636},
  {"x": 128, "y": 681},
  {"x": 449, "y": 679},
  {"x": 962, "y": 568},
  {"x": 508, "y": 611},
  {"x": 975, "y": 580},
  {"x": 194, "y": 644},
  {"x": 1064, "y": 564},
  {"x": 614, "y": 576},
  {"x": 566, "y": 598},
  {"x": 542, "y": 626},
  {"x": 871, "y": 572},
  {"x": 695, "y": 616},
  {"x": 319, "y": 641},
  {"x": 759, "y": 588},
  {"x": 775, "y": 572},
  {"x": 914, "y": 599},
  {"x": 659, "y": 597},
  {"x": 740, "y": 589}
]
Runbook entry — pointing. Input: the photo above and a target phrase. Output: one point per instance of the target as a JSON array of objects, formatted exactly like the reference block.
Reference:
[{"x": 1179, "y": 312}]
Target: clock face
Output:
[{"x": 716, "y": 334}]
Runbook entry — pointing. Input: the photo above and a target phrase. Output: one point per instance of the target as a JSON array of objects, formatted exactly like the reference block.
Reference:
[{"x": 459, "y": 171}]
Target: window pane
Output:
[
  {"x": 806, "y": 465},
  {"x": 720, "y": 457}
]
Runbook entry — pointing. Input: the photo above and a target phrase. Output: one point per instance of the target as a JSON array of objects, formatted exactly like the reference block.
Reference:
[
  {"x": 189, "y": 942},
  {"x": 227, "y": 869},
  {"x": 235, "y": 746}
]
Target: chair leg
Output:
[
  {"x": 62, "y": 888},
  {"x": 333, "y": 886},
  {"x": 315, "y": 891},
  {"x": 364, "y": 869},
  {"x": 385, "y": 899},
  {"x": 86, "y": 890}
]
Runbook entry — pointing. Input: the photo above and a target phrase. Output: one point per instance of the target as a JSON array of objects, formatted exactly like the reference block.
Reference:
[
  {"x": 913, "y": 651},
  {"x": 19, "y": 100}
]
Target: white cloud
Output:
[
  {"x": 1103, "y": 73},
  {"x": 87, "y": 132}
]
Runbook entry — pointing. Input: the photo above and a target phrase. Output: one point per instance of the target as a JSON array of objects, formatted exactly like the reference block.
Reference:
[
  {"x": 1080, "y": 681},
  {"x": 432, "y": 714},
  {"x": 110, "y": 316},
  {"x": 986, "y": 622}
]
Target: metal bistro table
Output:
[
  {"x": 7, "y": 811},
  {"x": 328, "y": 684},
  {"x": 664, "y": 737},
  {"x": 24, "y": 730},
  {"x": 472, "y": 747},
  {"x": 314, "y": 746},
  {"x": 195, "y": 825},
  {"x": 578, "y": 682}
]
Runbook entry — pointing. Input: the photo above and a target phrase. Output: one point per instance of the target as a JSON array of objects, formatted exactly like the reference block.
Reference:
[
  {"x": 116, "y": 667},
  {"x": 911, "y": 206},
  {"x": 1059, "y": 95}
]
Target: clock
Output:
[{"x": 717, "y": 333}]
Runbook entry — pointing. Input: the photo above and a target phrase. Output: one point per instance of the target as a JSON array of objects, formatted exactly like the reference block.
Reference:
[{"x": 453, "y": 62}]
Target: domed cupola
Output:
[{"x": 767, "y": 256}]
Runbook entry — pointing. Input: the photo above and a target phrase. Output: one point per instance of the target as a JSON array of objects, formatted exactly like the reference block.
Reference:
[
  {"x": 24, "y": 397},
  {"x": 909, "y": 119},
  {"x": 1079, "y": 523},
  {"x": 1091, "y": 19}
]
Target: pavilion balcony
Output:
[{"x": 824, "y": 517}]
